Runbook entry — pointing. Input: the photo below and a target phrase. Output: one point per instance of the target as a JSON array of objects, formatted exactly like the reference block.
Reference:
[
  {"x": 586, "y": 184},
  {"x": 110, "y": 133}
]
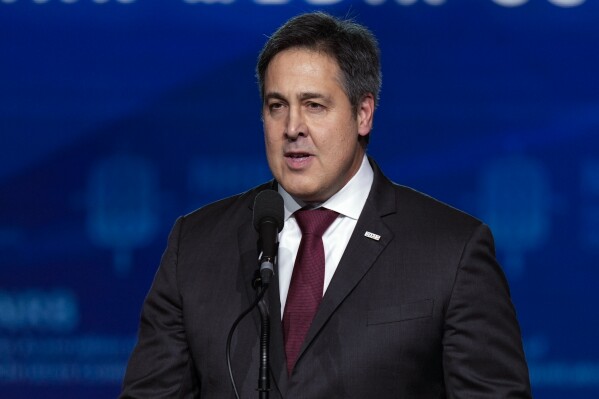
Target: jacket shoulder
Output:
[
  {"x": 425, "y": 210},
  {"x": 224, "y": 212}
]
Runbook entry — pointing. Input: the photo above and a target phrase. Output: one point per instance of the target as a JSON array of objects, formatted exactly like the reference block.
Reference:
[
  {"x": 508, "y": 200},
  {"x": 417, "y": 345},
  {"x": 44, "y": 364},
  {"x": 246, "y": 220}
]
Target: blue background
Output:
[{"x": 118, "y": 116}]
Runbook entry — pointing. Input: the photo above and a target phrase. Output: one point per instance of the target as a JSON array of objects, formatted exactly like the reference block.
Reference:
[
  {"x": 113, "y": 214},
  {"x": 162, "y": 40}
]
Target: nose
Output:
[{"x": 296, "y": 125}]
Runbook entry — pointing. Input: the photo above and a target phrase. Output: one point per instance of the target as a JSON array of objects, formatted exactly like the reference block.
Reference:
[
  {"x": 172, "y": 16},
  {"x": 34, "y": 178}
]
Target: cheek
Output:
[
  {"x": 271, "y": 131},
  {"x": 272, "y": 150},
  {"x": 337, "y": 142},
  {"x": 268, "y": 137}
]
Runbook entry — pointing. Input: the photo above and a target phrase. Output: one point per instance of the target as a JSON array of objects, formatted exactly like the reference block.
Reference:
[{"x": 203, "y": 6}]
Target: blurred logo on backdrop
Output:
[
  {"x": 122, "y": 206},
  {"x": 516, "y": 202},
  {"x": 36, "y": 310},
  {"x": 39, "y": 344}
]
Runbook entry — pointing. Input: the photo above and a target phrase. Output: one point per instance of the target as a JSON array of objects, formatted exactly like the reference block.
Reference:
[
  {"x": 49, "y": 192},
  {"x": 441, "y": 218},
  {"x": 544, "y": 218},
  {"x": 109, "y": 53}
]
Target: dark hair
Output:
[{"x": 352, "y": 45}]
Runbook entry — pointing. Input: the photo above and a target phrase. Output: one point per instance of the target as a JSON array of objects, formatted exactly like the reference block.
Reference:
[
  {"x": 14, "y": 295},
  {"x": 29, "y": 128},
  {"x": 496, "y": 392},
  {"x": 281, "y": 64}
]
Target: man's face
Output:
[{"x": 310, "y": 129}]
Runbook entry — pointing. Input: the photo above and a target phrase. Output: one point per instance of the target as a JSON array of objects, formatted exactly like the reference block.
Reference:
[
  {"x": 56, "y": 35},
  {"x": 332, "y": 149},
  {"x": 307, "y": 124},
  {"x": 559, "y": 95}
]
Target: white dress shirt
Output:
[{"x": 348, "y": 202}]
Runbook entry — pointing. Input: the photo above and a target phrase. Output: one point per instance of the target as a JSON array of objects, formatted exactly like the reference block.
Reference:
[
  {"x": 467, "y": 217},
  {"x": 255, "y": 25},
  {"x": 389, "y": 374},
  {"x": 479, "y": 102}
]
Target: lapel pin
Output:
[{"x": 372, "y": 236}]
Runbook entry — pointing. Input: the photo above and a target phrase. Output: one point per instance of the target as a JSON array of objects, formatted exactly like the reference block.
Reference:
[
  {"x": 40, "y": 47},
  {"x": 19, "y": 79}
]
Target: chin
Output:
[
  {"x": 303, "y": 193},
  {"x": 310, "y": 197}
]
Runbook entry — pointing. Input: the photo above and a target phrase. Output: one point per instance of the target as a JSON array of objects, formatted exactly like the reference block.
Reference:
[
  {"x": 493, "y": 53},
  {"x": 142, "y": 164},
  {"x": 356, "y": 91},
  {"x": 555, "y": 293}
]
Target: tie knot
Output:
[{"x": 315, "y": 221}]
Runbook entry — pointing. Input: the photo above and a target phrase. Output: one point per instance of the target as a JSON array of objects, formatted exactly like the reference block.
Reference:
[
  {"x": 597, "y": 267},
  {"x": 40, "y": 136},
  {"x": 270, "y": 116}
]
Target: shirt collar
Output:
[{"x": 348, "y": 201}]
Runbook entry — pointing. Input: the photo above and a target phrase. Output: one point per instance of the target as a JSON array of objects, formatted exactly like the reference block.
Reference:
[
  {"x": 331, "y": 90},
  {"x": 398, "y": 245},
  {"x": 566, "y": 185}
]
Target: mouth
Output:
[
  {"x": 297, "y": 155},
  {"x": 298, "y": 160}
]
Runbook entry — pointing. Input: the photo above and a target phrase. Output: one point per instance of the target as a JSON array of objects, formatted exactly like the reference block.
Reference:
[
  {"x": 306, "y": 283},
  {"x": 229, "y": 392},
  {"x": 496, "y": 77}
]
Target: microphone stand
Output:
[
  {"x": 262, "y": 283},
  {"x": 263, "y": 371}
]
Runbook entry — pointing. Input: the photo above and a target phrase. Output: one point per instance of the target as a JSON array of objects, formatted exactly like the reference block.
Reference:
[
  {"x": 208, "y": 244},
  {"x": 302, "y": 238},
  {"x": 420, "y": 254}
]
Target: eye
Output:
[
  {"x": 313, "y": 106},
  {"x": 275, "y": 106}
]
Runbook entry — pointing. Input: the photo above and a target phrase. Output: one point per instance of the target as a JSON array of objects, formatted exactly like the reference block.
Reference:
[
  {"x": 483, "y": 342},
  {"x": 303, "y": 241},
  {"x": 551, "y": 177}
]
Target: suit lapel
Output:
[
  {"x": 248, "y": 252},
  {"x": 360, "y": 254}
]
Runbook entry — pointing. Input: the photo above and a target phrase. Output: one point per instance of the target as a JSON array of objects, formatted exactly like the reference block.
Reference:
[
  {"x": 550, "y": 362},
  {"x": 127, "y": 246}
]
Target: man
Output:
[{"x": 414, "y": 304}]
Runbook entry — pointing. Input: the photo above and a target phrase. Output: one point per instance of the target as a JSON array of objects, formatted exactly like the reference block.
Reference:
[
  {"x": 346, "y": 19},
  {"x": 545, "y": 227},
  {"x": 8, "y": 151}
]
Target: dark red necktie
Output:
[{"x": 307, "y": 280}]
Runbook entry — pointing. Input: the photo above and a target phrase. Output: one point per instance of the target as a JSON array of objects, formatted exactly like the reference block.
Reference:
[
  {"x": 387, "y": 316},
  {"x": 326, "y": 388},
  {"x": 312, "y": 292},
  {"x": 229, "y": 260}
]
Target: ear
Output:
[{"x": 365, "y": 114}]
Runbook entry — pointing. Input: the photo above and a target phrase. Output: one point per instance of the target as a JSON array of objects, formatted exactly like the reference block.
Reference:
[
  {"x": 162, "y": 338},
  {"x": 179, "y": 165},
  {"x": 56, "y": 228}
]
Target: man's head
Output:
[
  {"x": 351, "y": 45},
  {"x": 319, "y": 81}
]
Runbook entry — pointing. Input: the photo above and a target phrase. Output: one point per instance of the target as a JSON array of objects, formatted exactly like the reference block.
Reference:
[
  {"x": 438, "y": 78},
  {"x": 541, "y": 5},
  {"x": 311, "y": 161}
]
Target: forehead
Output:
[{"x": 302, "y": 65}]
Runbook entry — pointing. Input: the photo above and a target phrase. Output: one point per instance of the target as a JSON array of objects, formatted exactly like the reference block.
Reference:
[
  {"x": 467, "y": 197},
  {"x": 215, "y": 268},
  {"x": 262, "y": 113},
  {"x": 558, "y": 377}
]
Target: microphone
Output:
[{"x": 268, "y": 221}]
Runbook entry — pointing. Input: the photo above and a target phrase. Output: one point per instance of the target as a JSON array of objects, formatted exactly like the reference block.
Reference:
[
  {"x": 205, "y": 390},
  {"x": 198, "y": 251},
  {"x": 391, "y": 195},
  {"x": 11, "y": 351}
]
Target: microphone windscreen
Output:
[{"x": 268, "y": 204}]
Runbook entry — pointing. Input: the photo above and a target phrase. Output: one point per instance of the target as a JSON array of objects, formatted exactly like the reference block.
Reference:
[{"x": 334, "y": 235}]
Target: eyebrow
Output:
[
  {"x": 310, "y": 95},
  {"x": 273, "y": 95},
  {"x": 302, "y": 96}
]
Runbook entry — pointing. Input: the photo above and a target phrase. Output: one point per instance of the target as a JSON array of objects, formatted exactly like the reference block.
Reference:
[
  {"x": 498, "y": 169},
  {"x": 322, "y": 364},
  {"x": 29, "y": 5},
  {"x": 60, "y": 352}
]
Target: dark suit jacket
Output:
[{"x": 424, "y": 312}]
